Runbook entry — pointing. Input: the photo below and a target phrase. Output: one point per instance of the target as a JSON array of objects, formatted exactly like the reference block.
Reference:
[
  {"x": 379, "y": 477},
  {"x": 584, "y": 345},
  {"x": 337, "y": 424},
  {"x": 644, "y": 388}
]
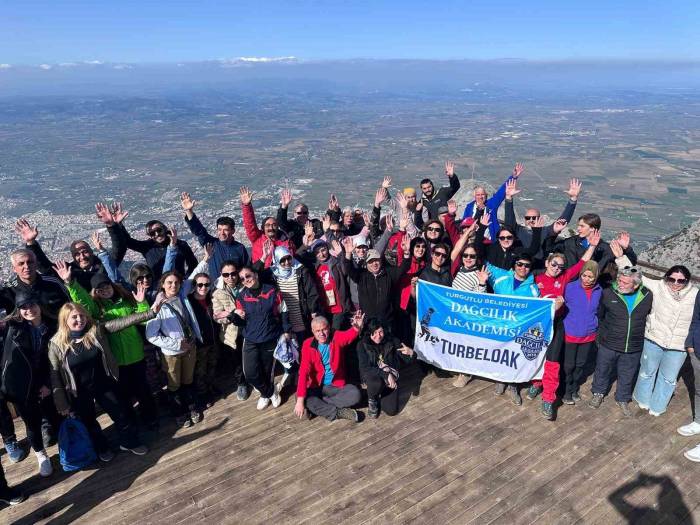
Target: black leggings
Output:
[
  {"x": 575, "y": 358},
  {"x": 258, "y": 361},
  {"x": 376, "y": 387},
  {"x": 133, "y": 384}
]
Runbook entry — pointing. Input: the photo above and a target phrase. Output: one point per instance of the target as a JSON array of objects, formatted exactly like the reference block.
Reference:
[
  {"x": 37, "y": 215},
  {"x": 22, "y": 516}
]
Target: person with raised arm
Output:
[
  {"x": 622, "y": 317},
  {"x": 502, "y": 253},
  {"x": 225, "y": 245},
  {"x": 153, "y": 249},
  {"x": 322, "y": 387},
  {"x": 482, "y": 203},
  {"x": 433, "y": 200},
  {"x": 524, "y": 232},
  {"x": 107, "y": 301},
  {"x": 665, "y": 333},
  {"x": 269, "y": 229},
  {"x": 294, "y": 228},
  {"x": 84, "y": 263},
  {"x": 406, "y": 312},
  {"x": 552, "y": 283}
]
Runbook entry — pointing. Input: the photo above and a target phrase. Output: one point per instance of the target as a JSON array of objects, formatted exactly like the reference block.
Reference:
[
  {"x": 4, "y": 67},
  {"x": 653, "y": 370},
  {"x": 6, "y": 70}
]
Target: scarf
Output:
[{"x": 280, "y": 272}]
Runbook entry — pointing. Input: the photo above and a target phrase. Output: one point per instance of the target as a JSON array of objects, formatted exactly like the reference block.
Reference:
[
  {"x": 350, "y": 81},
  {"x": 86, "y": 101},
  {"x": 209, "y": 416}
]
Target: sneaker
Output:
[
  {"x": 45, "y": 468},
  {"x": 373, "y": 407},
  {"x": 576, "y": 397},
  {"x": 625, "y": 407},
  {"x": 242, "y": 392},
  {"x": 183, "y": 421},
  {"x": 263, "y": 403},
  {"x": 276, "y": 399},
  {"x": 596, "y": 400},
  {"x": 10, "y": 496},
  {"x": 568, "y": 400},
  {"x": 547, "y": 410},
  {"x": 140, "y": 450},
  {"x": 533, "y": 392},
  {"x": 693, "y": 454},
  {"x": 500, "y": 388},
  {"x": 195, "y": 416},
  {"x": 515, "y": 395},
  {"x": 461, "y": 381},
  {"x": 347, "y": 413},
  {"x": 15, "y": 452},
  {"x": 106, "y": 456},
  {"x": 655, "y": 414},
  {"x": 691, "y": 429}
]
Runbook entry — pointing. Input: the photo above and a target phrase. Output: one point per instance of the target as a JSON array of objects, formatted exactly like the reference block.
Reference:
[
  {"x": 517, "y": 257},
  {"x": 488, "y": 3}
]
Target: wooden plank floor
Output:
[{"x": 451, "y": 456}]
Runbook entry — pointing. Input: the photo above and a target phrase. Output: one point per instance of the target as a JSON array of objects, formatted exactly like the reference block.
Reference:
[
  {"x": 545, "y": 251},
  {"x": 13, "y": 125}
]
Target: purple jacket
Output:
[{"x": 581, "y": 319}]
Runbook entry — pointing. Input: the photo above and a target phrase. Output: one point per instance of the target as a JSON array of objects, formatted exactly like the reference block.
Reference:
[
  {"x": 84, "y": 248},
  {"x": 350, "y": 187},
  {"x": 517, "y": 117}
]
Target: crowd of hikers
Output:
[{"x": 325, "y": 306}]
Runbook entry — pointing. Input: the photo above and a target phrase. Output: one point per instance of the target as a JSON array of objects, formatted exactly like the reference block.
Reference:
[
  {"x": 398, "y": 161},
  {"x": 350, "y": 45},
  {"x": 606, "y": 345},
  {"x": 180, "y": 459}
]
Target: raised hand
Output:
[
  {"x": 246, "y": 195},
  {"x": 268, "y": 248},
  {"x": 483, "y": 275},
  {"x": 401, "y": 199},
  {"x": 208, "y": 251},
  {"x": 309, "y": 235},
  {"x": 452, "y": 207},
  {"x": 518, "y": 170},
  {"x": 594, "y": 237},
  {"x": 485, "y": 219},
  {"x": 336, "y": 249},
  {"x": 403, "y": 221},
  {"x": 173, "y": 235},
  {"x": 539, "y": 222},
  {"x": 358, "y": 320},
  {"x": 285, "y": 198},
  {"x": 380, "y": 197},
  {"x": 104, "y": 214},
  {"x": 469, "y": 230},
  {"x": 406, "y": 246},
  {"x": 616, "y": 248},
  {"x": 511, "y": 189},
  {"x": 559, "y": 225},
  {"x": 118, "y": 212},
  {"x": 365, "y": 219},
  {"x": 449, "y": 168},
  {"x": 326, "y": 222},
  {"x": 386, "y": 183},
  {"x": 140, "y": 293},
  {"x": 623, "y": 239},
  {"x": 348, "y": 245},
  {"x": 64, "y": 271},
  {"x": 26, "y": 231},
  {"x": 187, "y": 201},
  {"x": 574, "y": 189},
  {"x": 333, "y": 203},
  {"x": 389, "y": 220},
  {"x": 97, "y": 242}
]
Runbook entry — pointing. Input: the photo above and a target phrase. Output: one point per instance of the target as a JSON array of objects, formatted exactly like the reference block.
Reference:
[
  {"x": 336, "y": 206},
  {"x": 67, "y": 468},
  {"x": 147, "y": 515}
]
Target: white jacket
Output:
[{"x": 669, "y": 320}]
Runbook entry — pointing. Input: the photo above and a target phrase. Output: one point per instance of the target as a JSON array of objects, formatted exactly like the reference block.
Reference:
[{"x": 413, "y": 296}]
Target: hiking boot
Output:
[
  {"x": 183, "y": 421},
  {"x": 15, "y": 452},
  {"x": 45, "y": 468},
  {"x": 106, "y": 456},
  {"x": 625, "y": 407},
  {"x": 515, "y": 395},
  {"x": 499, "y": 389},
  {"x": 596, "y": 400},
  {"x": 568, "y": 400},
  {"x": 263, "y": 403},
  {"x": 347, "y": 413},
  {"x": 533, "y": 392},
  {"x": 140, "y": 450},
  {"x": 195, "y": 416},
  {"x": 461, "y": 381},
  {"x": 547, "y": 410},
  {"x": 276, "y": 399},
  {"x": 576, "y": 397},
  {"x": 373, "y": 407},
  {"x": 242, "y": 392},
  {"x": 10, "y": 496},
  {"x": 691, "y": 429}
]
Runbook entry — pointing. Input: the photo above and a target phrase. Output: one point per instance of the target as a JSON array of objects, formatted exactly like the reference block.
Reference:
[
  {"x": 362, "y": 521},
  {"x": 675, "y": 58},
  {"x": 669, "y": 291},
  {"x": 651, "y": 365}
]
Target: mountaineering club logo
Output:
[
  {"x": 531, "y": 342},
  {"x": 424, "y": 326}
]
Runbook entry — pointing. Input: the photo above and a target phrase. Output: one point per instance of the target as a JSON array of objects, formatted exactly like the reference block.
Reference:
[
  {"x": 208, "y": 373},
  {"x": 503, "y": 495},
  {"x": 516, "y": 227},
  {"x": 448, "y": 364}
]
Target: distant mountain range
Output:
[{"x": 680, "y": 248}]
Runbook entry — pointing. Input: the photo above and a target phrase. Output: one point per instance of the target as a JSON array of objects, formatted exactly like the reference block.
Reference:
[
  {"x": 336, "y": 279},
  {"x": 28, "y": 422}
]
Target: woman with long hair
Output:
[{"x": 84, "y": 370}]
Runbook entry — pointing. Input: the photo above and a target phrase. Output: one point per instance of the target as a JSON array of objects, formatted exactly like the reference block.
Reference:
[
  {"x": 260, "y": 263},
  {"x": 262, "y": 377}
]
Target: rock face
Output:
[{"x": 680, "y": 248}]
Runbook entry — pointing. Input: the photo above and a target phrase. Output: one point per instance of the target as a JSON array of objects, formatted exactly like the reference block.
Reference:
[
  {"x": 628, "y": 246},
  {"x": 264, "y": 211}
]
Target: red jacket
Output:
[
  {"x": 554, "y": 286},
  {"x": 311, "y": 370},
  {"x": 257, "y": 236}
]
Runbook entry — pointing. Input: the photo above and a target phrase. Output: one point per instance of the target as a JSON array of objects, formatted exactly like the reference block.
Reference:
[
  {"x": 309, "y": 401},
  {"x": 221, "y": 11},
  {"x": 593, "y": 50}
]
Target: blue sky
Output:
[{"x": 34, "y": 32}]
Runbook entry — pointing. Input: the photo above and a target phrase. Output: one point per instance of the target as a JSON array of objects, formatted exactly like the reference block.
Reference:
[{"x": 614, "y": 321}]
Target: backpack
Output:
[{"x": 75, "y": 448}]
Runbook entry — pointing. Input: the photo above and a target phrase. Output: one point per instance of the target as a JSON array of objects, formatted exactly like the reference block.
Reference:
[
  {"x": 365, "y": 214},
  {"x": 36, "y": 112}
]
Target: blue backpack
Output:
[{"x": 74, "y": 445}]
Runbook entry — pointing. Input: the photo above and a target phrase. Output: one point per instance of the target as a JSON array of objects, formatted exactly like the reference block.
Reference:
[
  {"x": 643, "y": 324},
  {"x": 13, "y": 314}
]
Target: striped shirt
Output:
[
  {"x": 290, "y": 293},
  {"x": 468, "y": 281}
]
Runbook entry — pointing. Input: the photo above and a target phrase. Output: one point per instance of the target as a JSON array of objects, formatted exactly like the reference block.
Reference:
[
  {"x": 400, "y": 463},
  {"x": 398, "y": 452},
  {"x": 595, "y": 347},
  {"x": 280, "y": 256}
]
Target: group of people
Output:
[{"x": 330, "y": 302}]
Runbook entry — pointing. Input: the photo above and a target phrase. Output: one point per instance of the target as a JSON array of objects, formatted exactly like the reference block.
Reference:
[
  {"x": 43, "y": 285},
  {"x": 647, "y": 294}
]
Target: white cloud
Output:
[
  {"x": 267, "y": 59},
  {"x": 247, "y": 61},
  {"x": 45, "y": 66},
  {"x": 122, "y": 66},
  {"x": 67, "y": 64},
  {"x": 94, "y": 62},
  {"x": 5, "y": 66}
]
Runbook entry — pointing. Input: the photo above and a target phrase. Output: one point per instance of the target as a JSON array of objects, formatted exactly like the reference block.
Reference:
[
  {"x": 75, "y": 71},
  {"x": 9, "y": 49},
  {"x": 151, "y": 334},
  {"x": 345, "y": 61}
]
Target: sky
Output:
[{"x": 36, "y": 32}]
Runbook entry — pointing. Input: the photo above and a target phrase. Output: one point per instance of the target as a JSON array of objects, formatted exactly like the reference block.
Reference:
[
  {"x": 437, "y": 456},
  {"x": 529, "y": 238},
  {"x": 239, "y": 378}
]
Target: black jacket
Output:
[
  {"x": 501, "y": 258},
  {"x": 23, "y": 372},
  {"x": 83, "y": 276},
  {"x": 443, "y": 277},
  {"x": 154, "y": 253},
  {"x": 617, "y": 329},
  {"x": 693, "y": 339},
  {"x": 440, "y": 197},
  {"x": 573, "y": 249},
  {"x": 369, "y": 353},
  {"x": 52, "y": 296}
]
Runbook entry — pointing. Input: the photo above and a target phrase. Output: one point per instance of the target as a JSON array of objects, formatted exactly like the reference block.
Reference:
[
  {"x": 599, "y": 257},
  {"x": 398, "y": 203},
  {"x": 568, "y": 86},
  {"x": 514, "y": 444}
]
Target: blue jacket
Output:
[
  {"x": 502, "y": 282},
  {"x": 581, "y": 319},
  {"x": 266, "y": 314},
  {"x": 223, "y": 252},
  {"x": 492, "y": 205},
  {"x": 693, "y": 340}
]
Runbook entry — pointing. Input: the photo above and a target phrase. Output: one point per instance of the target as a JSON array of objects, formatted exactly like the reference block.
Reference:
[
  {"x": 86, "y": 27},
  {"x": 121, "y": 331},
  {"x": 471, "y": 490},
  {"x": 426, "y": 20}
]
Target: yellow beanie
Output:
[{"x": 409, "y": 191}]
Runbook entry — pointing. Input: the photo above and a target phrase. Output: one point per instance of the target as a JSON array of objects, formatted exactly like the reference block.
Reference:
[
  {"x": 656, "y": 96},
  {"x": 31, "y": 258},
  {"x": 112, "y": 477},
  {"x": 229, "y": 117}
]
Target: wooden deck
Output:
[{"x": 451, "y": 456}]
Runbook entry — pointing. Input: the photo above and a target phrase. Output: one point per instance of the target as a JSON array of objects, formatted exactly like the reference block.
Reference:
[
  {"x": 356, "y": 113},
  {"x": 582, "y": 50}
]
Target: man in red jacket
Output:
[
  {"x": 322, "y": 372},
  {"x": 269, "y": 230}
]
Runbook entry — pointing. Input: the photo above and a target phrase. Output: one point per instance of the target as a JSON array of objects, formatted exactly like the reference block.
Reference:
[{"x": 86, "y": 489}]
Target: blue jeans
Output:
[{"x": 654, "y": 390}]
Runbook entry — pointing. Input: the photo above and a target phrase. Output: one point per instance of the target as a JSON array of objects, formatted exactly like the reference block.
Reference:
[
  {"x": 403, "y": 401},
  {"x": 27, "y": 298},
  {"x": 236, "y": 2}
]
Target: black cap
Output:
[
  {"x": 24, "y": 298},
  {"x": 99, "y": 279}
]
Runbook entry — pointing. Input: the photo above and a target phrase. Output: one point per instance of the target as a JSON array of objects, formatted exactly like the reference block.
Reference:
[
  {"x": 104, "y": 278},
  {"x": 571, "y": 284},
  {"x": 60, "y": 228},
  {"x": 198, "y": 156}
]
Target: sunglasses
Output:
[
  {"x": 303, "y": 212},
  {"x": 157, "y": 232},
  {"x": 143, "y": 278},
  {"x": 440, "y": 254},
  {"x": 469, "y": 256},
  {"x": 628, "y": 270},
  {"x": 203, "y": 285},
  {"x": 286, "y": 260},
  {"x": 226, "y": 275},
  {"x": 433, "y": 229},
  {"x": 554, "y": 264},
  {"x": 531, "y": 217},
  {"x": 335, "y": 230},
  {"x": 522, "y": 264},
  {"x": 505, "y": 238},
  {"x": 247, "y": 276},
  {"x": 671, "y": 280}
]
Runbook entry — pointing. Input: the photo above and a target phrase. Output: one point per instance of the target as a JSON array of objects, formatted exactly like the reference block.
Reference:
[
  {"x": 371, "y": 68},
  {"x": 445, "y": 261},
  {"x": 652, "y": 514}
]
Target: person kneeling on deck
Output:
[{"x": 322, "y": 372}]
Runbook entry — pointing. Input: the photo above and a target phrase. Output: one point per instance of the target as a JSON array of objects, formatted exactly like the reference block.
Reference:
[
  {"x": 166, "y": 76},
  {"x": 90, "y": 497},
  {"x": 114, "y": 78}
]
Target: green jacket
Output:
[{"x": 126, "y": 344}]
